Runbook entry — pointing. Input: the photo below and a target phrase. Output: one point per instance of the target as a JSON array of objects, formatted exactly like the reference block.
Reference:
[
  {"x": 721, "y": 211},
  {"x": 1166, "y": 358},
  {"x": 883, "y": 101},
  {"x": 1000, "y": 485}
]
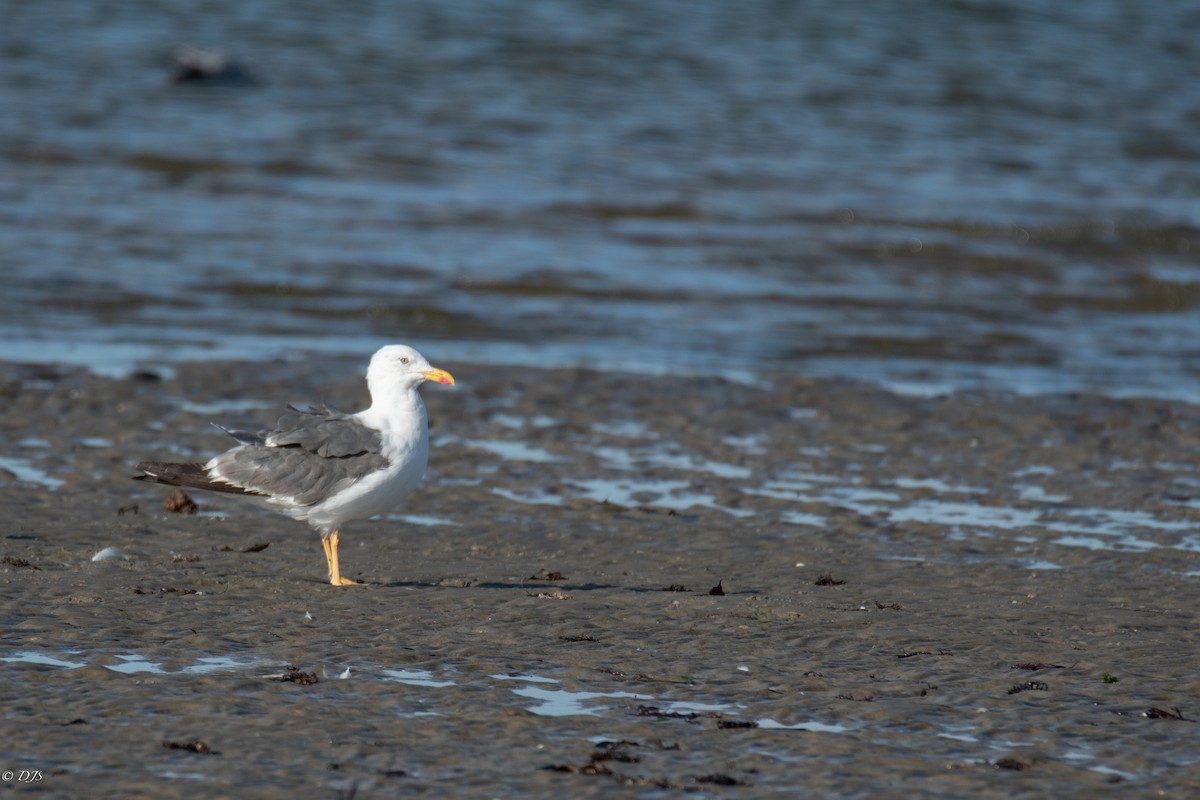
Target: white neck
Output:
[{"x": 396, "y": 409}]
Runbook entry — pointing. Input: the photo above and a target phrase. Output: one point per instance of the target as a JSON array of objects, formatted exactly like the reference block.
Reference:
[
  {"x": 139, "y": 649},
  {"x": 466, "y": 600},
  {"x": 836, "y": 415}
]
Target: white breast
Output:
[{"x": 406, "y": 447}]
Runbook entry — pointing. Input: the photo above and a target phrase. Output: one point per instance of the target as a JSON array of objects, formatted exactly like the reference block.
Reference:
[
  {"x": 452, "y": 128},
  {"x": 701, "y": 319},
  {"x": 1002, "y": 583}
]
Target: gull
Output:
[{"x": 325, "y": 467}]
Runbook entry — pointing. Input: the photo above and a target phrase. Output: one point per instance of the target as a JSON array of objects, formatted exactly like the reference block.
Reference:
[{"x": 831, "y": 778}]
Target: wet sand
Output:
[{"x": 976, "y": 595}]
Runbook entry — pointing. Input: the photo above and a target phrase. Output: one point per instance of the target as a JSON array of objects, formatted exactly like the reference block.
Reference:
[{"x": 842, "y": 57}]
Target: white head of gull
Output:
[{"x": 323, "y": 466}]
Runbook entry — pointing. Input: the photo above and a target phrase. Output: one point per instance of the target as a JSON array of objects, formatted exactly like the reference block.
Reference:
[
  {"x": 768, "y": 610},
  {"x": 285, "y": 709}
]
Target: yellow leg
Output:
[
  {"x": 328, "y": 554},
  {"x": 330, "y": 543}
]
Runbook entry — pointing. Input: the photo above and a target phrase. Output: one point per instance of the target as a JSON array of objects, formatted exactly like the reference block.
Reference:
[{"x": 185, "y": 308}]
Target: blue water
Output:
[{"x": 928, "y": 195}]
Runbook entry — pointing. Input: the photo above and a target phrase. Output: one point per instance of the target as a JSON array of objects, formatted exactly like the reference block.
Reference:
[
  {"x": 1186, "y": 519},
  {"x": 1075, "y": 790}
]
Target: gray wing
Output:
[
  {"x": 325, "y": 431},
  {"x": 308, "y": 456}
]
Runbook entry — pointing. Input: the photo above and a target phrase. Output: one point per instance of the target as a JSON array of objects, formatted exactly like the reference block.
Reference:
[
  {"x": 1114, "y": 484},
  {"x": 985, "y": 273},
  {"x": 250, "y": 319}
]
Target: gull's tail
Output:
[{"x": 192, "y": 476}]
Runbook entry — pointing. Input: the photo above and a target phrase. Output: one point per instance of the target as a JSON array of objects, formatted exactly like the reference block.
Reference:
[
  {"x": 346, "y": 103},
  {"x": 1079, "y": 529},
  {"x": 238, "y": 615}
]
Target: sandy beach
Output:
[{"x": 608, "y": 586}]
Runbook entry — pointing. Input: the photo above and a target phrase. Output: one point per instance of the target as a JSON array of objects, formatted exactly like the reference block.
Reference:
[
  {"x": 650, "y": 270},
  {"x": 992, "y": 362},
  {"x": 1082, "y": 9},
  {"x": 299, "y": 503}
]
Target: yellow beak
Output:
[{"x": 439, "y": 376}]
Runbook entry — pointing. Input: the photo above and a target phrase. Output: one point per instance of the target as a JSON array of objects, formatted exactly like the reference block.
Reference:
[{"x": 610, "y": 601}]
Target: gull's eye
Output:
[{"x": 404, "y": 360}]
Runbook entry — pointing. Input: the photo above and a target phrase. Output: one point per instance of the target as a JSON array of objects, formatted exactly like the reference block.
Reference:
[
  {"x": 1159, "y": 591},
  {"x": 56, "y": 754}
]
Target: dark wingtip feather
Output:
[{"x": 193, "y": 476}]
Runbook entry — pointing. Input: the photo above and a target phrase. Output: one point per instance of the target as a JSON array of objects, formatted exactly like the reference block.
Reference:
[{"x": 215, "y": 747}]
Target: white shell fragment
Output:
[{"x": 109, "y": 554}]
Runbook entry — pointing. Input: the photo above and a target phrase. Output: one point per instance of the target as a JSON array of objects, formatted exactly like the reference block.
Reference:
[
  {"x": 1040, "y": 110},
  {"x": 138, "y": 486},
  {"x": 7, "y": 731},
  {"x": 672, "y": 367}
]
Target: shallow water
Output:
[
  {"x": 925, "y": 195},
  {"x": 1034, "y": 523}
]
